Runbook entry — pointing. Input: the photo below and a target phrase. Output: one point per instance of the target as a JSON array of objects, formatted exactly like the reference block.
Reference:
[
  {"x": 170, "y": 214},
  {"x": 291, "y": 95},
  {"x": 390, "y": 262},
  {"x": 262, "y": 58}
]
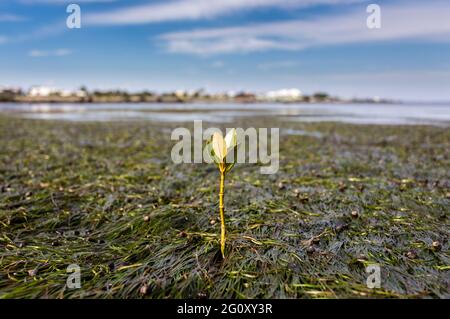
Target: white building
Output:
[
  {"x": 41, "y": 91},
  {"x": 180, "y": 93},
  {"x": 65, "y": 93},
  {"x": 231, "y": 94},
  {"x": 284, "y": 95},
  {"x": 80, "y": 93}
]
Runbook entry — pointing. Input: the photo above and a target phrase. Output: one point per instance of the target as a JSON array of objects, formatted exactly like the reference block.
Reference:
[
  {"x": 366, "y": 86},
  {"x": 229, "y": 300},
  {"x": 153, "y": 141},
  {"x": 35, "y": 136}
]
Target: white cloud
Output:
[
  {"x": 193, "y": 10},
  {"x": 399, "y": 22},
  {"x": 49, "y": 53},
  {"x": 277, "y": 65},
  {"x": 6, "y": 17},
  {"x": 229, "y": 44}
]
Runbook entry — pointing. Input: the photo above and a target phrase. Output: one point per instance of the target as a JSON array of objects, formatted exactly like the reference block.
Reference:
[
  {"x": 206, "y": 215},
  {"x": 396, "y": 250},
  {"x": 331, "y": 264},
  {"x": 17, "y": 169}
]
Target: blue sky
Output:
[{"x": 221, "y": 45}]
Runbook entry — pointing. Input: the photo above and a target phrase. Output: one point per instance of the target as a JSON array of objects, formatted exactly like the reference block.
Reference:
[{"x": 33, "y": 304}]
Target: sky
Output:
[{"x": 230, "y": 45}]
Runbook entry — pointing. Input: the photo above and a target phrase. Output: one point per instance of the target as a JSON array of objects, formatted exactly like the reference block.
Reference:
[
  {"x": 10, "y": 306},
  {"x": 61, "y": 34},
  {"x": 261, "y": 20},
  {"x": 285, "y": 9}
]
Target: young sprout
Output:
[{"x": 220, "y": 148}]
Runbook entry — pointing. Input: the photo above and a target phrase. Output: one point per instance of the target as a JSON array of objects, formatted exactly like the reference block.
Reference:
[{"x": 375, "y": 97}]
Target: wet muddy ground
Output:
[{"x": 107, "y": 197}]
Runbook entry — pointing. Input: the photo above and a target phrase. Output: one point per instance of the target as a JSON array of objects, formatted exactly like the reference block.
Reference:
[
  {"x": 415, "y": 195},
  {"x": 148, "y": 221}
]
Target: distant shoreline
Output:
[
  {"x": 47, "y": 95},
  {"x": 200, "y": 101},
  {"x": 231, "y": 101}
]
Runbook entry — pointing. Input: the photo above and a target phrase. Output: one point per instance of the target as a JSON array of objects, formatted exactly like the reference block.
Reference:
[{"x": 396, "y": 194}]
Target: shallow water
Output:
[{"x": 386, "y": 114}]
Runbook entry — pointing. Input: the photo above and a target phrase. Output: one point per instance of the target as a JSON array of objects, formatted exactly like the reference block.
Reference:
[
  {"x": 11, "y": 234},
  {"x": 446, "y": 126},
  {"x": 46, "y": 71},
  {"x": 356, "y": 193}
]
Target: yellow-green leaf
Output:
[
  {"x": 219, "y": 146},
  {"x": 230, "y": 139}
]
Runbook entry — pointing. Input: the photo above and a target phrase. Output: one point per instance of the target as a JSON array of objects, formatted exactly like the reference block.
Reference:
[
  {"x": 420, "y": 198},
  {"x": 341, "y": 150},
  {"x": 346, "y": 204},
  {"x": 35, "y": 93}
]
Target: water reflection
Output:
[{"x": 387, "y": 114}]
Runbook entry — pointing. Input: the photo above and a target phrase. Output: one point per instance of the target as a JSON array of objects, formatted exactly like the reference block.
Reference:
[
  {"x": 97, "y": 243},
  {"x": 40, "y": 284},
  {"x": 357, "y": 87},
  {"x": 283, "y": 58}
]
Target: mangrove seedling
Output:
[{"x": 220, "y": 148}]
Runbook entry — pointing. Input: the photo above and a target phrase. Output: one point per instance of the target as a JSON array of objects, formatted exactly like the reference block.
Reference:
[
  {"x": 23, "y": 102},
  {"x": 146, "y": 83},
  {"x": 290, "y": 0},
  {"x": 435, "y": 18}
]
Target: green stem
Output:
[{"x": 222, "y": 215}]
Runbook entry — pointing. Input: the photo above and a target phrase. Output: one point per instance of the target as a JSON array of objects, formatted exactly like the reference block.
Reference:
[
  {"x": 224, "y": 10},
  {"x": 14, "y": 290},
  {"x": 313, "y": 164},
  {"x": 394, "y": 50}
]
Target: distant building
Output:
[
  {"x": 284, "y": 95},
  {"x": 180, "y": 94},
  {"x": 80, "y": 93},
  {"x": 231, "y": 94},
  {"x": 41, "y": 91},
  {"x": 65, "y": 93}
]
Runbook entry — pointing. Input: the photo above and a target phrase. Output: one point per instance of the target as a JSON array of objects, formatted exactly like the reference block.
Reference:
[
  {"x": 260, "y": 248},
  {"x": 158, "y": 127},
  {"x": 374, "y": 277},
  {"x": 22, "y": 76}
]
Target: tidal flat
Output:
[{"x": 106, "y": 196}]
